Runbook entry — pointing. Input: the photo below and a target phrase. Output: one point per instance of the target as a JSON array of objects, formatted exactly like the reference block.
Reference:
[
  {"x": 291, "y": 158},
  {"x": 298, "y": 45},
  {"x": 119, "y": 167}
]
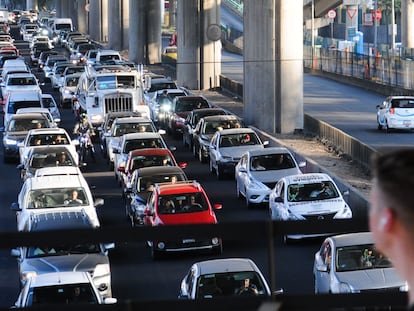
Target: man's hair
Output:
[{"x": 393, "y": 172}]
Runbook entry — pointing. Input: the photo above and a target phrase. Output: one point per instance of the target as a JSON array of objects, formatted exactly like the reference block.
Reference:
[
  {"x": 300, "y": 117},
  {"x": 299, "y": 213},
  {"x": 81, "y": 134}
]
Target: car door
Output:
[
  {"x": 242, "y": 174},
  {"x": 323, "y": 266},
  {"x": 213, "y": 149},
  {"x": 276, "y": 201},
  {"x": 382, "y": 111}
]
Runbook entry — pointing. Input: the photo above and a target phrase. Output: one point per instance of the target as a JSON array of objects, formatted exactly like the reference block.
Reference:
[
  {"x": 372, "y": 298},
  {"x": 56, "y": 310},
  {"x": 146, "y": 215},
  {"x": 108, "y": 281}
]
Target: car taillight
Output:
[{"x": 392, "y": 110}]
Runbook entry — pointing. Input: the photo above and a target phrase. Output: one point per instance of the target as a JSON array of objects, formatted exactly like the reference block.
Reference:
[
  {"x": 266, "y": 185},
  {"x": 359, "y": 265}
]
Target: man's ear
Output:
[{"x": 387, "y": 217}]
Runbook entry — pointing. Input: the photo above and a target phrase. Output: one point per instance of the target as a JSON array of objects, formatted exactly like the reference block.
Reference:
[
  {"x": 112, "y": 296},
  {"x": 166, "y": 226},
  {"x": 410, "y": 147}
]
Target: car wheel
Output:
[
  {"x": 201, "y": 158},
  {"x": 111, "y": 166},
  {"x": 219, "y": 172},
  {"x": 315, "y": 285},
  {"x": 195, "y": 152},
  {"x": 387, "y": 129},
  {"x": 211, "y": 167},
  {"x": 239, "y": 194},
  {"x": 249, "y": 204},
  {"x": 184, "y": 142}
]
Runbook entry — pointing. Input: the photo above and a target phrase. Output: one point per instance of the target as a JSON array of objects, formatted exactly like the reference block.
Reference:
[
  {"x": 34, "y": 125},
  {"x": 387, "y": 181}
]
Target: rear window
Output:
[
  {"x": 189, "y": 105},
  {"x": 402, "y": 103}
]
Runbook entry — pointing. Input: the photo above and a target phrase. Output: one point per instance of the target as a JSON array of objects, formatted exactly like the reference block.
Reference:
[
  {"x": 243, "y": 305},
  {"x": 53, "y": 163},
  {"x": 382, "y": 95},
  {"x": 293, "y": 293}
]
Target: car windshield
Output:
[
  {"x": 182, "y": 203},
  {"x": 228, "y": 284},
  {"x": 24, "y": 125},
  {"x": 14, "y": 106},
  {"x": 48, "y": 139},
  {"x": 312, "y": 191},
  {"x": 151, "y": 160},
  {"x": 125, "y": 128},
  {"x": 213, "y": 126},
  {"x": 143, "y": 143},
  {"x": 147, "y": 183},
  {"x": 49, "y": 159},
  {"x": 113, "y": 82},
  {"x": 188, "y": 105},
  {"x": 272, "y": 162},
  {"x": 22, "y": 81},
  {"x": 62, "y": 249},
  {"x": 233, "y": 140},
  {"x": 72, "y": 81},
  {"x": 58, "y": 294},
  {"x": 360, "y": 257},
  {"x": 57, "y": 197},
  {"x": 161, "y": 86}
]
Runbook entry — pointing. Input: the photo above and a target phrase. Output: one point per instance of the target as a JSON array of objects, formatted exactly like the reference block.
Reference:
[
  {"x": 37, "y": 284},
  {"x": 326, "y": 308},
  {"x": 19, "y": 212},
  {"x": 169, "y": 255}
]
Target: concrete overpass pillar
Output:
[
  {"x": 82, "y": 17},
  {"x": 94, "y": 19},
  {"x": 125, "y": 24},
  {"x": 115, "y": 31},
  {"x": 59, "y": 7},
  {"x": 407, "y": 23},
  {"x": 32, "y": 5},
  {"x": 172, "y": 13},
  {"x": 137, "y": 42},
  {"x": 104, "y": 20},
  {"x": 154, "y": 31},
  {"x": 273, "y": 65},
  {"x": 199, "y": 54}
]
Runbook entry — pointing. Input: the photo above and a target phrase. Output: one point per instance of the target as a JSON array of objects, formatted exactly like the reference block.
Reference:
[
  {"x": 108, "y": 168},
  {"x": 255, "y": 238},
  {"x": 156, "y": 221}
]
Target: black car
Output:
[
  {"x": 205, "y": 130},
  {"x": 141, "y": 186},
  {"x": 192, "y": 120}
]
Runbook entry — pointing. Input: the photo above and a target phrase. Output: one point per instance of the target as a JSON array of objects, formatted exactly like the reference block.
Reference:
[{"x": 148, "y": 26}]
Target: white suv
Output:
[{"x": 54, "y": 188}]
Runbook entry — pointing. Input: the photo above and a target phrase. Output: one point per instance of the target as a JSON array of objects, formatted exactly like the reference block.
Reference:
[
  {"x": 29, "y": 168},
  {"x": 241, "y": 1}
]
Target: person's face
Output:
[
  {"x": 63, "y": 157},
  {"x": 246, "y": 282},
  {"x": 75, "y": 194}
]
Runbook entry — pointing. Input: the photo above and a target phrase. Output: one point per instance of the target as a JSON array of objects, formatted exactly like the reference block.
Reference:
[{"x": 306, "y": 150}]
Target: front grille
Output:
[
  {"x": 320, "y": 216},
  {"x": 118, "y": 102}
]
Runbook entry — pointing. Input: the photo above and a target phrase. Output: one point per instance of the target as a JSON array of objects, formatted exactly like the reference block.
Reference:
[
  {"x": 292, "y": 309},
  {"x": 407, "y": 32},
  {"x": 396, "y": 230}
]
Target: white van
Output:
[
  {"x": 17, "y": 100},
  {"x": 60, "y": 24}
]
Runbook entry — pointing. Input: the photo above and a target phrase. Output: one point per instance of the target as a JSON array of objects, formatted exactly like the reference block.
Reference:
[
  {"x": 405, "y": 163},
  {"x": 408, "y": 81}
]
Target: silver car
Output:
[
  {"x": 59, "y": 257},
  {"x": 349, "y": 263},
  {"x": 229, "y": 277},
  {"x": 258, "y": 171},
  {"x": 227, "y": 146}
]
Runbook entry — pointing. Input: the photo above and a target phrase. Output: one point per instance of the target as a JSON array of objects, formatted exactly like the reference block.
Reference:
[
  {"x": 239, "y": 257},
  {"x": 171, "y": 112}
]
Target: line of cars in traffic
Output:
[{"x": 185, "y": 202}]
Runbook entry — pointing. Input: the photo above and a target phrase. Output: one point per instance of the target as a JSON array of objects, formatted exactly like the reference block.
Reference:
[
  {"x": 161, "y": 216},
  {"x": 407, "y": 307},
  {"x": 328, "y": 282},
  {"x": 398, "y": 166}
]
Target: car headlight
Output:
[
  {"x": 344, "y": 213},
  {"x": 96, "y": 118},
  {"x": 165, "y": 108},
  {"x": 101, "y": 270},
  {"x": 226, "y": 159},
  {"x": 28, "y": 274},
  {"x": 404, "y": 288},
  {"x": 9, "y": 141},
  {"x": 344, "y": 288}
]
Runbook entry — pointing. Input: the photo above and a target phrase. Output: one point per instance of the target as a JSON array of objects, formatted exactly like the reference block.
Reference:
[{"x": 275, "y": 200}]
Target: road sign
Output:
[
  {"x": 331, "y": 14},
  {"x": 377, "y": 15}
]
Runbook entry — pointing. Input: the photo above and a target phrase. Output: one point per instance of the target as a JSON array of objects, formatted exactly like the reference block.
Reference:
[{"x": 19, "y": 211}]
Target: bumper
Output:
[
  {"x": 11, "y": 152},
  {"x": 258, "y": 196},
  {"x": 103, "y": 284},
  {"x": 188, "y": 245}
]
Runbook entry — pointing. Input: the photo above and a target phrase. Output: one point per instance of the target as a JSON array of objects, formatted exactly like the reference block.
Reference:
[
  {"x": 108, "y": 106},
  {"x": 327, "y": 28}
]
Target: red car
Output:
[
  {"x": 146, "y": 157},
  {"x": 181, "y": 203}
]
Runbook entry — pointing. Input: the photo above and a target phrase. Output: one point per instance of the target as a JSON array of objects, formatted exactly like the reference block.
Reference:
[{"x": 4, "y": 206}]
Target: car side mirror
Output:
[
  {"x": 98, "y": 202},
  {"x": 242, "y": 169},
  {"x": 218, "y": 206},
  {"x": 182, "y": 164},
  {"x": 322, "y": 268},
  {"x": 15, "y": 207},
  {"x": 148, "y": 212},
  {"x": 121, "y": 169}
]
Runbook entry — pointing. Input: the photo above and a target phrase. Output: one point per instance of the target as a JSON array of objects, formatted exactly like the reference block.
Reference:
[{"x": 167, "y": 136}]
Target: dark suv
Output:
[{"x": 181, "y": 107}]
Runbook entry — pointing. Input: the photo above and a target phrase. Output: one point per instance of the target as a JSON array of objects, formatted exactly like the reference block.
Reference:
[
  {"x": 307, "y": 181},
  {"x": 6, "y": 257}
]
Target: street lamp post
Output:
[{"x": 375, "y": 26}]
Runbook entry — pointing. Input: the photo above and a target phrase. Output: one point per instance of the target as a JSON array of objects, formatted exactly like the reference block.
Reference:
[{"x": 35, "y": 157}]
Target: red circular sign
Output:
[
  {"x": 377, "y": 15},
  {"x": 331, "y": 14}
]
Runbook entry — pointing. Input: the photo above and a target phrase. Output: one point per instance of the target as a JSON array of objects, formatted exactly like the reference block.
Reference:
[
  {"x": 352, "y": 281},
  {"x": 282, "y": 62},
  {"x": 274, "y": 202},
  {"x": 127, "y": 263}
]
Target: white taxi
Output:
[
  {"x": 396, "y": 112},
  {"x": 61, "y": 188},
  {"x": 305, "y": 197}
]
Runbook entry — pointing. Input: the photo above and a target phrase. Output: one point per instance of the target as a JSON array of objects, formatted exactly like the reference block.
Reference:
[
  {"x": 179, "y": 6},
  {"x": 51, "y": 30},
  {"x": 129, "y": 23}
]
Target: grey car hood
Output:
[
  {"x": 274, "y": 175},
  {"x": 371, "y": 278},
  {"x": 237, "y": 152},
  {"x": 76, "y": 262}
]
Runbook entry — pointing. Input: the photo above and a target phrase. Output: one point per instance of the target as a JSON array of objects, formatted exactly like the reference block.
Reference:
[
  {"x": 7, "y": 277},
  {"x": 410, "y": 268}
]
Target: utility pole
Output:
[
  {"x": 392, "y": 27},
  {"x": 375, "y": 27}
]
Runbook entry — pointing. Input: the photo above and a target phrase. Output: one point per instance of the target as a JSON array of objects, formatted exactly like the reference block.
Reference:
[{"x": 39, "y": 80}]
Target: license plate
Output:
[{"x": 186, "y": 241}]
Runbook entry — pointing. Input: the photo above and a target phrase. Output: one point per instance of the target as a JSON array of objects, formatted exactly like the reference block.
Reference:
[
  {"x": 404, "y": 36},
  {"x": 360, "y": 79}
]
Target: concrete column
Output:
[
  {"x": 59, "y": 7},
  {"x": 137, "y": 27},
  {"x": 95, "y": 19},
  {"x": 82, "y": 20},
  {"x": 154, "y": 31},
  {"x": 273, "y": 65},
  {"x": 115, "y": 31},
  {"x": 351, "y": 19},
  {"x": 211, "y": 46},
  {"x": 125, "y": 24},
  {"x": 407, "y": 23},
  {"x": 172, "y": 13},
  {"x": 188, "y": 30},
  {"x": 32, "y": 5},
  {"x": 104, "y": 19},
  {"x": 199, "y": 54}
]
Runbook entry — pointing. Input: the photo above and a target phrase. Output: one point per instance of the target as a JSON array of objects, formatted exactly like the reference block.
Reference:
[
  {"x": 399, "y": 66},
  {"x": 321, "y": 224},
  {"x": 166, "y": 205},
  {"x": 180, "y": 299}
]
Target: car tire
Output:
[
  {"x": 184, "y": 142},
  {"x": 195, "y": 152},
  {"x": 218, "y": 250},
  {"x": 239, "y": 194},
  {"x": 201, "y": 158},
  {"x": 249, "y": 204},
  {"x": 211, "y": 168},
  {"x": 315, "y": 287},
  {"x": 111, "y": 165},
  {"x": 219, "y": 172}
]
